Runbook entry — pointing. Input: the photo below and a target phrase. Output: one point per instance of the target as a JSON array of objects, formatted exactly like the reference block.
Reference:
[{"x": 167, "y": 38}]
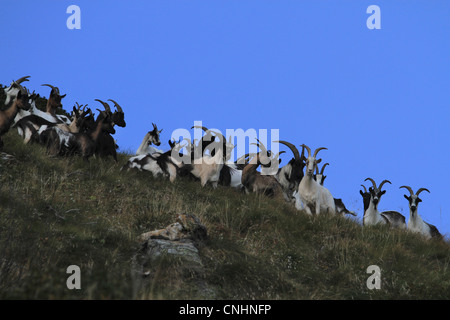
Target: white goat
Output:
[
  {"x": 315, "y": 198},
  {"x": 415, "y": 223},
  {"x": 151, "y": 137}
]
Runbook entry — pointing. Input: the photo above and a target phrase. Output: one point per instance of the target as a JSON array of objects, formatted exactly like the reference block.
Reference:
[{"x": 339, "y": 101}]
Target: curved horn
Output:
[
  {"x": 409, "y": 189},
  {"x": 307, "y": 148},
  {"x": 292, "y": 147},
  {"x": 317, "y": 151},
  {"x": 20, "y": 80},
  {"x": 261, "y": 145},
  {"x": 105, "y": 105},
  {"x": 383, "y": 182},
  {"x": 116, "y": 105},
  {"x": 365, "y": 190},
  {"x": 422, "y": 189},
  {"x": 49, "y": 85},
  {"x": 373, "y": 182},
  {"x": 323, "y": 167},
  {"x": 202, "y": 127}
]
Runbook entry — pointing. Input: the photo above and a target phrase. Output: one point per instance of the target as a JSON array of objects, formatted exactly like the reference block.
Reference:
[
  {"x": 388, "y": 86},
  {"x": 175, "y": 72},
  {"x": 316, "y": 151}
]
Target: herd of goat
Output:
[{"x": 299, "y": 182}]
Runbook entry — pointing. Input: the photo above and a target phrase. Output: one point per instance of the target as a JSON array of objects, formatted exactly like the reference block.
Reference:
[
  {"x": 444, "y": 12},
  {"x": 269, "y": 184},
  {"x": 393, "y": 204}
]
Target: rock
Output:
[{"x": 172, "y": 252}]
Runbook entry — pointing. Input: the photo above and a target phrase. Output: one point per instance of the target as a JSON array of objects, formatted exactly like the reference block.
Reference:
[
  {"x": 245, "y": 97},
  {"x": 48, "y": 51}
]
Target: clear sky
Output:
[{"x": 377, "y": 99}]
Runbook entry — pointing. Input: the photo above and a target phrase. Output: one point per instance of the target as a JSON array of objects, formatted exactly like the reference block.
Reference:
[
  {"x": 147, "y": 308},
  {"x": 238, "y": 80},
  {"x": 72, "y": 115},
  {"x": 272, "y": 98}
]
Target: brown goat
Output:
[{"x": 254, "y": 181}]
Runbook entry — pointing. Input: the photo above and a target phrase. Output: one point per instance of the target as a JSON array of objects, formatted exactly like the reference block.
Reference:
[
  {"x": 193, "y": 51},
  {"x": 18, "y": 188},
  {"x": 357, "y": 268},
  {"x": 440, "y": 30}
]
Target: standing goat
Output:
[
  {"x": 415, "y": 223},
  {"x": 315, "y": 198},
  {"x": 372, "y": 216}
]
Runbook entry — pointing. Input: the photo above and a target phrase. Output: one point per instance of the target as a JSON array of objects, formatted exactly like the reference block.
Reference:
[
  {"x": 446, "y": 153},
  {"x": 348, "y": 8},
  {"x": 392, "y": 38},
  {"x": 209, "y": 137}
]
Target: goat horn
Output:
[
  {"x": 365, "y": 190},
  {"x": 105, "y": 105},
  {"x": 317, "y": 151},
  {"x": 383, "y": 182},
  {"x": 292, "y": 147},
  {"x": 373, "y": 182},
  {"x": 49, "y": 85},
  {"x": 307, "y": 148},
  {"x": 323, "y": 167},
  {"x": 19, "y": 81},
  {"x": 116, "y": 105},
  {"x": 422, "y": 189},
  {"x": 409, "y": 189},
  {"x": 204, "y": 128},
  {"x": 261, "y": 145}
]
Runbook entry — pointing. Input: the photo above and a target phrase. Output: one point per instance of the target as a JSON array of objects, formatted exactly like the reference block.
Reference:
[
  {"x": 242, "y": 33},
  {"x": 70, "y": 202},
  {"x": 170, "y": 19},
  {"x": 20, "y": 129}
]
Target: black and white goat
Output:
[
  {"x": 21, "y": 101},
  {"x": 372, "y": 216},
  {"x": 291, "y": 174},
  {"x": 416, "y": 223},
  {"x": 12, "y": 91},
  {"x": 159, "y": 164}
]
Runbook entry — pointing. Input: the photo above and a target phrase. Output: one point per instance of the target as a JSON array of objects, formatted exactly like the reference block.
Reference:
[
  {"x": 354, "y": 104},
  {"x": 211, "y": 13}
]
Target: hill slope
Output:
[{"x": 56, "y": 212}]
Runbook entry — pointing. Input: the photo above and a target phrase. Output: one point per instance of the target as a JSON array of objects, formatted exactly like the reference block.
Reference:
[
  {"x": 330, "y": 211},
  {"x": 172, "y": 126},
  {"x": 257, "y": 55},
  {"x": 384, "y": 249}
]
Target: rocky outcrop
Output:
[{"x": 175, "y": 249}]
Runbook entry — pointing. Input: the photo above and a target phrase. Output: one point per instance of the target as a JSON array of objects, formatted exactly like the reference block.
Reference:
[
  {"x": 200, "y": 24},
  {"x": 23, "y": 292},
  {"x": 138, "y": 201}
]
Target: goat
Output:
[
  {"x": 291, "y": 174},
  {"x": 7, "y": 116},
  {"x": 107, "y": 145},
  {"x": 157, "y": 163},
  {"x": 13, "y": 89},
  {"x": 207, "y": 168},
  {"x": 319, "y": 176},
  {"x": 151, "y": 137},
  {"x": 314, "y": 197},
  {"x": 54, "y": 103},
  {"x": 254, "y": 181},
  {"x": 82, "y": 143},
  {"x": 372, "y": 216},
  {"x": 338, "y": 203},
  {"x": 415, "y": 223}
]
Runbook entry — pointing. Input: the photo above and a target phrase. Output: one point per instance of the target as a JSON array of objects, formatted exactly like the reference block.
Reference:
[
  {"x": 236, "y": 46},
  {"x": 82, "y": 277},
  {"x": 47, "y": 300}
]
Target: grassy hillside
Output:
[{"x": 57, "y": 212}]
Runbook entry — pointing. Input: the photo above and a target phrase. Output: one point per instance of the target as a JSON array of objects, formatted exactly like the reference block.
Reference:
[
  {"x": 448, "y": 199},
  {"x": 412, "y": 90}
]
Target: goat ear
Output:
[
  {"x": 319, "y": 161},
  {"x": 383, "y": 192},
  {"x": 323, "y": 179},
  {"x": 279, "y": 161},
  {"x": 406, "y": 197},
  {"x": 63, "y": 95},
  {"x": 360, "y": 191}
]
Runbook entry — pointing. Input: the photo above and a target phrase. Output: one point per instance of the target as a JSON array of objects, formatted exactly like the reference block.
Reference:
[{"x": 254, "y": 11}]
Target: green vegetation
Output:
[{"x": 56, "y": 212}]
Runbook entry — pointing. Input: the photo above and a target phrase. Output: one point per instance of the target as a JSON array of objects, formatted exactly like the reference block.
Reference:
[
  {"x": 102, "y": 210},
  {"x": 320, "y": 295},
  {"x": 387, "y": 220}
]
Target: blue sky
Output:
[{"x": 377, "y": 99}]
